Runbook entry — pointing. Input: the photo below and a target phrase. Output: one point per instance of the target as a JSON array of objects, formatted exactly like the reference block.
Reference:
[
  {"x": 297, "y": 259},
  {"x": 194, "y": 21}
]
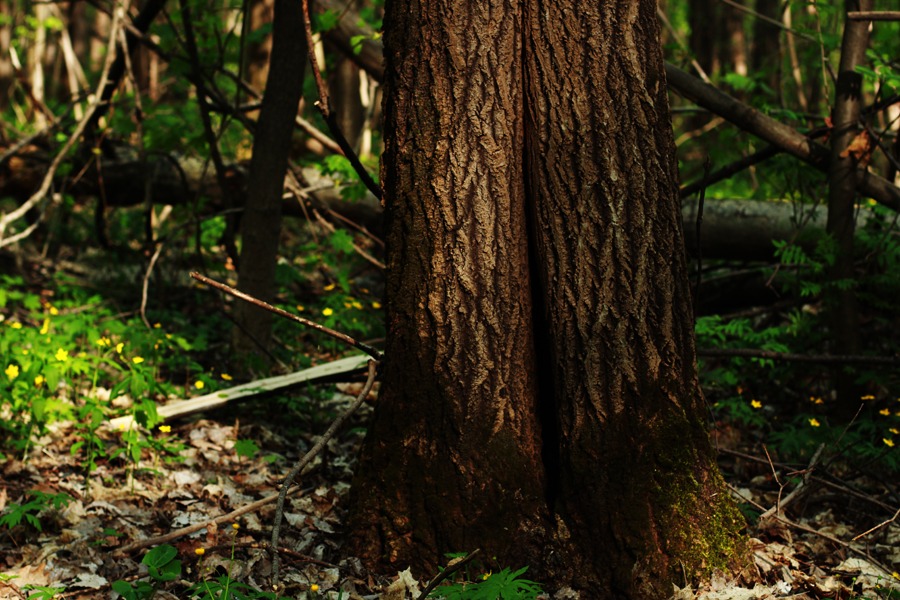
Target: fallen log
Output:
[{"x": 342, "y": 368}]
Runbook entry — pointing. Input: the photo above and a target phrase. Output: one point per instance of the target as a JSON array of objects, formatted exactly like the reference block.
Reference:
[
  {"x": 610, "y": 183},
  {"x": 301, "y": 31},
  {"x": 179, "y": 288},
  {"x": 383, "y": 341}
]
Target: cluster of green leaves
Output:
[
  {"x": 504, "y": 585},
  {"x": 30, "y": 511},
  {"x": 790, "y": 403},
  {"x": 71, "y": 359},
  {"x": 163, "y": 567}
]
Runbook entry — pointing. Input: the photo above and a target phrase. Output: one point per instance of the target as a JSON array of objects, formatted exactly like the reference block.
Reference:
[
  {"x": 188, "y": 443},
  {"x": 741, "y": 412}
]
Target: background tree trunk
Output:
[
  {"x": 261, "y": 223},
  {"x": 842, "y": 183}
]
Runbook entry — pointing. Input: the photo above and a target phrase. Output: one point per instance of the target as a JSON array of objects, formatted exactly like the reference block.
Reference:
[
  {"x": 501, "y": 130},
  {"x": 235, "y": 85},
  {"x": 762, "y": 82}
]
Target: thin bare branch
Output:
[
  {"x": 373, "y": 352},
  {"x": 307, "y": 458}
]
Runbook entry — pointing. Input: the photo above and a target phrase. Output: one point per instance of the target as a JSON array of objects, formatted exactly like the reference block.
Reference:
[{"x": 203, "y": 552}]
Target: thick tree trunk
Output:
[
  {"x": 452, "y": 460},
  {"x": 553, "y": 419},
  {"x": 639, "y": 491},
  {"x": 261, "y": 223}
]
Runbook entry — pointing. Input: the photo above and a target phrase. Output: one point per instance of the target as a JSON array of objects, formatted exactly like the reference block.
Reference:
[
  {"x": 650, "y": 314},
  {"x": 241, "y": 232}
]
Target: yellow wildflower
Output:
[
  {"x": 894, "y": 430},
  {"x": 39, "y": 381},
  {"x": 867, "y": 397},
  {"x": 12, "y": 371},
  {"x": 314, "y": 588},
  {"x": 486, "y": 576},
  {"x": 45, "y": 328},
  {"x": 165, "y": 428},
  {"x": 327, "y": 312},
  {"x": 53, "y": 310},
  {"x": 884, "y": 411},
  {"x": 62, "y": 355},
  {"x": 300, "y": 308},
  {"x": 137, "y": 360},
  {"x": 356, "y": 304},
  {"x": 329, "y": 287},
  {"x": 200, "y": 551},
  {"x": 235, "y": 526},
  {"x": 199, "y": 384},
  {"x": 103, "y": 342},
  {"x": 376, "y": 305},
  {"x": 226, "y": 376},
  {"x": 15, "y": 325},
  {"x": 119, "y": 347},
  {"x": 814, "y": 422},
  {"x": 756, "y": 404},
  {"x": 889, "y": 442},
  {"x": 157, "y": 325},
  {"x": 348, "y": 305}
]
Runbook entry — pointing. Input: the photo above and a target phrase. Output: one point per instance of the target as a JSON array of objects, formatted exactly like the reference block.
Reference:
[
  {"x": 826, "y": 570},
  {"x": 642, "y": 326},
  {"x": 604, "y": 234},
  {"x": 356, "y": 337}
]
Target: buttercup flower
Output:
[
  {"x": 62, "y": 355},
  {"x": 165, "y": 428},
  {"x": 200, "y": 551},
  {"x": 327, "y": 312},
  {"x": 137, "y": 360},
  {"x": 226, "y": 376},
  {"x": 39, "y": 381},
  {"x": 756, "y": 404},
  {"x": 888, "y": 442},
  {"x": 884, "y": 411},
  {"x": 199, "y": 384},
  {"x": 12, "y": 371},
  {"x": 119, "y": 347},
  {"x": 814, "y": 422}
]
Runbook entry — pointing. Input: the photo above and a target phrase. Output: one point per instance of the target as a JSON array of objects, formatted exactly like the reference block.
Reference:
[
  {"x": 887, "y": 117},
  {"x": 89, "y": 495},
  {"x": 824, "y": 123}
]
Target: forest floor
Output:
[{"x": 833, "y": 537}]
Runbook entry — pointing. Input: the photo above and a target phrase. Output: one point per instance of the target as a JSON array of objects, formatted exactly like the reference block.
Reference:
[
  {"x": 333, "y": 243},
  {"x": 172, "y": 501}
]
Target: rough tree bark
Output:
[
  {"x": 637, "y": 473},
  {"x": 261, "y": 222},
  {"x": 540, "y": 399},
  {"x": 454, "y": 454}
]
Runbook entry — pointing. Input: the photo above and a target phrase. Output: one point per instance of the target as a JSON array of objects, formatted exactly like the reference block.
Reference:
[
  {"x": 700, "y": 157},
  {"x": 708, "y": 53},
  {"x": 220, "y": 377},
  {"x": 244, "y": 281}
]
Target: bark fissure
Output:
[{"x": 537, "y": 284}]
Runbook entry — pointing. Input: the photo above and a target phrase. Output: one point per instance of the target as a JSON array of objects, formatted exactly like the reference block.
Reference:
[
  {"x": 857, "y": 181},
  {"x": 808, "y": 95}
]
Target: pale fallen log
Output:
[{"x": 346, "y": 366}]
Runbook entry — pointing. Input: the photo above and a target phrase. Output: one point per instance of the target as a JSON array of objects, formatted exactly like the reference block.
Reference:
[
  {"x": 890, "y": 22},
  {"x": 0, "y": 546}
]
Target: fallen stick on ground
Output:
[{"x": 345, "y": 366}]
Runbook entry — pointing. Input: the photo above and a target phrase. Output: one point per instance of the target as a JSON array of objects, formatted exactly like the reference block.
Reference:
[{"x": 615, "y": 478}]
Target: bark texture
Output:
[
  {"x": 540, "y": 400},
  {"x": 453, "y": 456},
  {"x": 634, "y": 457}
]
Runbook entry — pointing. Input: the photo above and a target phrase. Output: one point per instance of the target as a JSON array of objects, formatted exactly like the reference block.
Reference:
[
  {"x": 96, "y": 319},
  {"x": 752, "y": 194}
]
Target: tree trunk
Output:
[
  {"x": 540, "y": 399},
  {"x": 261, "y": 223},
  {"x": 453, "y": 457},
  {"x": 639, "y": 490},
  {"x": 842, "y": 183},
  {"x": 259, "y": 47}
]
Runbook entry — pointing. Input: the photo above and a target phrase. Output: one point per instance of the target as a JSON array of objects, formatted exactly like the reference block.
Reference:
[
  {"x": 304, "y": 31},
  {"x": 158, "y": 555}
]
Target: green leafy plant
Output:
[
  {"x": 162, "y": 567},
  {"x": 505, "y": 585},
  {"x": 30, "y": 511}
]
